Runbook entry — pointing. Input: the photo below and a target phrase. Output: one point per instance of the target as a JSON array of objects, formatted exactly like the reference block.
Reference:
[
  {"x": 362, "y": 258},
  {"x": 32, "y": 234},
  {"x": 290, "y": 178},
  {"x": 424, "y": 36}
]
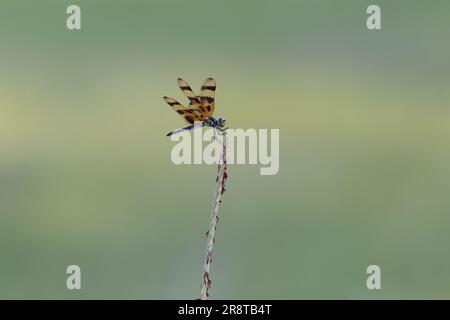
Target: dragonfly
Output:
[{"x": 199, "y": 112}]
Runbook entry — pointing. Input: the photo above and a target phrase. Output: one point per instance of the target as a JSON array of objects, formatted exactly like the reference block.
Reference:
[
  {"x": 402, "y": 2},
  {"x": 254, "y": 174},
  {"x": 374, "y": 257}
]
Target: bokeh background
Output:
[{"x": 85, "y": 170}]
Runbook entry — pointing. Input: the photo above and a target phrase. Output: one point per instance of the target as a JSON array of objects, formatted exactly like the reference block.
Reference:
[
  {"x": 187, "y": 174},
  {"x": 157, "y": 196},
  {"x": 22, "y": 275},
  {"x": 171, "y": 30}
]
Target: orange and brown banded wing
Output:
[
  {"x": 200, "y": 112},
  {"x": 184, "y": 86},
  {"x": 174, "y": 104},
  {"x": 192, "y": 115},
  {"x": 186, "y": 113},
  {"x": 207, "y": 96}
]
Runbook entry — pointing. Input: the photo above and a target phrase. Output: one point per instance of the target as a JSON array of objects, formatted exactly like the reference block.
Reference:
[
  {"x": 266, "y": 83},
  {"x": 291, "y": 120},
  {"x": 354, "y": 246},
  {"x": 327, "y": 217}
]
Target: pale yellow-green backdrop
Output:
[{"x": 85, "y": 170}]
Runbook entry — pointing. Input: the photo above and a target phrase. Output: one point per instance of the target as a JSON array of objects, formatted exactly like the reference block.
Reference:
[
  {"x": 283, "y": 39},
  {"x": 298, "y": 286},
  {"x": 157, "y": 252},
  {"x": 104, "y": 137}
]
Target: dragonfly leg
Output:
[{"x": 218, "y": 132}]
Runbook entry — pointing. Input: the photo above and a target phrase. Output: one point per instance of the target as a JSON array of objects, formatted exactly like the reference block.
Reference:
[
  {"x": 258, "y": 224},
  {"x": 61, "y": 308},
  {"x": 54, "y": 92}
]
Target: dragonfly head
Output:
[{"x": 221, "y": 122}]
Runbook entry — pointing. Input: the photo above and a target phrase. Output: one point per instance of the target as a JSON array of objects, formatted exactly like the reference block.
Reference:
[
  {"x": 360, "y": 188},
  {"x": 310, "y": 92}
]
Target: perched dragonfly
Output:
[{"x": 200, "y": 109}]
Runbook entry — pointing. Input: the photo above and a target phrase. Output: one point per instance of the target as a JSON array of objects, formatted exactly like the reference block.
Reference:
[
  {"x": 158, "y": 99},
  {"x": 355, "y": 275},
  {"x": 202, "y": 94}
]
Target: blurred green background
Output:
[{"x": 85, "y": 170}]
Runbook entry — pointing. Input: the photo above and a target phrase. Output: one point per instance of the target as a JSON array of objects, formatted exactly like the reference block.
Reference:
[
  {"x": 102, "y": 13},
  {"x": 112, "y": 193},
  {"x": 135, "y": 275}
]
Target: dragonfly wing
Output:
[
  {"x": 200, "y": 111},
  {"x": 200, "y": 107},
  {"x": 207, "y": 96},
  {"x": 188, "y": 114},
  {"x": 184, "y": 86}
]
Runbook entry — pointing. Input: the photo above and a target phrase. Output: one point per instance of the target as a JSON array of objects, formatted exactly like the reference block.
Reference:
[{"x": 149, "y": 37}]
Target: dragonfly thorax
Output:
[{"x": 215, "y": 123}]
